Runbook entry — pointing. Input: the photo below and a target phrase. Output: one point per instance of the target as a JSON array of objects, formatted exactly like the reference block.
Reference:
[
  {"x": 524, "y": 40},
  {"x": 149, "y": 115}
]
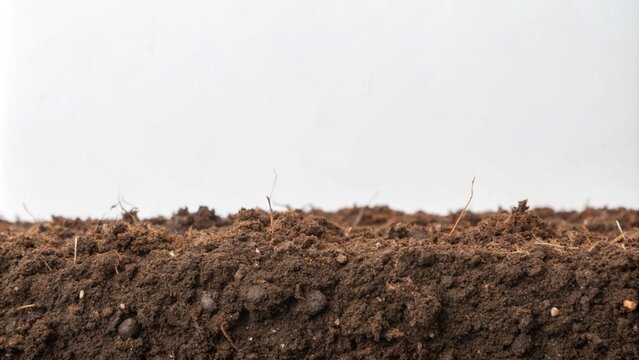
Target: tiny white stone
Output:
[
  {"x": 81, "y": 294},
  {"x": 122, "y": 306},
  {"x": 554, "y": 312},
  {"x": 250, "y": 339},
  {"x": 258, "y": 251},
  {"x": 172, "y": 253}
]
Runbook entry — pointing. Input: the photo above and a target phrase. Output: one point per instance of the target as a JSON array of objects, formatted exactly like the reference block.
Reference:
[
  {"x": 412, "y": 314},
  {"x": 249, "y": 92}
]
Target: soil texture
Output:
[{"x": 359, "y": 283}]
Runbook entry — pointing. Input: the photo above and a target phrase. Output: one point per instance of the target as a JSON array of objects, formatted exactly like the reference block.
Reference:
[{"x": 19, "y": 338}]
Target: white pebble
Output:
[
  {"x": 554, "y": 312},
  {"x": 81, "y": 294},
  {"x": 122, "y": 306}
]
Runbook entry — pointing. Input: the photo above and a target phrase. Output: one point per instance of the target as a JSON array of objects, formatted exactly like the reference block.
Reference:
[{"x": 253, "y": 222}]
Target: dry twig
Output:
[
  {"x": 619, "y": 227},
  {"x": 75, "y": 249},
  {"x": 226, "y": 335},
  {"x": 25, "y": 307},
  {"x": 270, "y": 209},
  {"x": 622, "y": 235},
  {"x": 461, "y": 215}
]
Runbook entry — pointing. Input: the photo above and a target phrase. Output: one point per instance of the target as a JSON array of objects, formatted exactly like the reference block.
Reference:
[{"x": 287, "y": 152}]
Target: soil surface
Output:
[{"x": 361, "y": 283}]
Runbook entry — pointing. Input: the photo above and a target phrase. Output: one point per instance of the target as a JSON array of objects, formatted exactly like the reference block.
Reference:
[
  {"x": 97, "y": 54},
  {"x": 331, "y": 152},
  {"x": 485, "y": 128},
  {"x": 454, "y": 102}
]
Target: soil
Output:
[{"x": 368, "y": 283}]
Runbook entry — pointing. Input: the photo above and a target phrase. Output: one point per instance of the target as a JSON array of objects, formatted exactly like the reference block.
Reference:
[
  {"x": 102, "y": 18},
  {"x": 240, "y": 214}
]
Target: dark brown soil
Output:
[{"x": 315, "y": 285}]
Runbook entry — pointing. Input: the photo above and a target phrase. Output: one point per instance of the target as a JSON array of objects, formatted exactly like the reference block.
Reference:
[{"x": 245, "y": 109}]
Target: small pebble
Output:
[
  {"x": 122, "y": 306},
  {"x": 81, "y": 294},
  {"x": 341, "y": 258},
  {"x": 128, "y": 329},
  {"x": 630, "y": 305},
  {"x": 554, "y": 312}
]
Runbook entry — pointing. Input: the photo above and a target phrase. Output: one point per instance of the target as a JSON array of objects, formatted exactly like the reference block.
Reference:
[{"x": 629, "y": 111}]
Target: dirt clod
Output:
[
  {"x": 254, "y": 296},
  {"x": 208, "y": 301},
  {"x": 315, "y": 302},
  {"x": 522, "y": 344}
]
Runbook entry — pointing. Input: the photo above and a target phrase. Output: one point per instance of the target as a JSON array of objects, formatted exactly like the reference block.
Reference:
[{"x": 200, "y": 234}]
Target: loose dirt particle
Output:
[
  {"x": 128, "y": 329},
  {"x": 554, "y": 312},
  {"x": 341, "y": 258}
]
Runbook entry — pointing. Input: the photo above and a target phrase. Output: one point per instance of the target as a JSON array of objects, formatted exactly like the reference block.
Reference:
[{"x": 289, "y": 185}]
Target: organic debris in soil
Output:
[{"x": 533, "y": 284}]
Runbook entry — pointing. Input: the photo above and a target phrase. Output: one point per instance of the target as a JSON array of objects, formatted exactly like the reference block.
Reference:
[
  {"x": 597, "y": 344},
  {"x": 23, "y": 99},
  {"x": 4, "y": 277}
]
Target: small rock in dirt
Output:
[
  {"x": 341, "y": 258},
  {"x": 554, "y": 312},
  {"x": 315, "y": 302},
  {"x": 630, "y": 305},
  {"x": 81, "y": 294},
  {"x": 254, "y": 295},
  {"x": 522, "y": 344},
  {"x": 208, "y": 301},
  {"x": 128, "y": 329}
]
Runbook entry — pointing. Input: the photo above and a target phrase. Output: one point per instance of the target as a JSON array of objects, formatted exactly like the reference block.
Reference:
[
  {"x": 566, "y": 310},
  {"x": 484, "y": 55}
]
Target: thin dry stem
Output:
[
  {"x": 226, "y": 335},
  {"x": 29, "y": 212},
  {"x": 47, "y": 265},
  {"x": 25, "y": 307},
  {"x": 75, "y": 249},
  {"x": 270, "y": 209},
  {"x": 463, "y": 212}
]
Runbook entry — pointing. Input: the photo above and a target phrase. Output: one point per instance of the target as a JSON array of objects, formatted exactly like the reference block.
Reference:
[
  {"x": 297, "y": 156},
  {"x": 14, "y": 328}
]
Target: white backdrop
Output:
[{"x": 173, "y": 103}]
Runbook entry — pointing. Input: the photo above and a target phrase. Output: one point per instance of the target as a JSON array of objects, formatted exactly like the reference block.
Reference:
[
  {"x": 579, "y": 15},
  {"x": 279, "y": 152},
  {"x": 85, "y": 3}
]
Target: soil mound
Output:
[{"x": 359, "y": 283}]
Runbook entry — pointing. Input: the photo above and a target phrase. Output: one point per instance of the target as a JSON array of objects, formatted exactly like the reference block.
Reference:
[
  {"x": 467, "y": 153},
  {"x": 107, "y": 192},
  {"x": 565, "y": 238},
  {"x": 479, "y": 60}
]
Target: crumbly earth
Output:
[{"x": 369, "y": 283}]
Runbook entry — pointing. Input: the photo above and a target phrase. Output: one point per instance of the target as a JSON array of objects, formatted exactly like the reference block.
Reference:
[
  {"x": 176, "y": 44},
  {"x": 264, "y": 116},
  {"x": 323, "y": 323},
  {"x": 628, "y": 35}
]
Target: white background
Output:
[{"x": 172, "y": 103}]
